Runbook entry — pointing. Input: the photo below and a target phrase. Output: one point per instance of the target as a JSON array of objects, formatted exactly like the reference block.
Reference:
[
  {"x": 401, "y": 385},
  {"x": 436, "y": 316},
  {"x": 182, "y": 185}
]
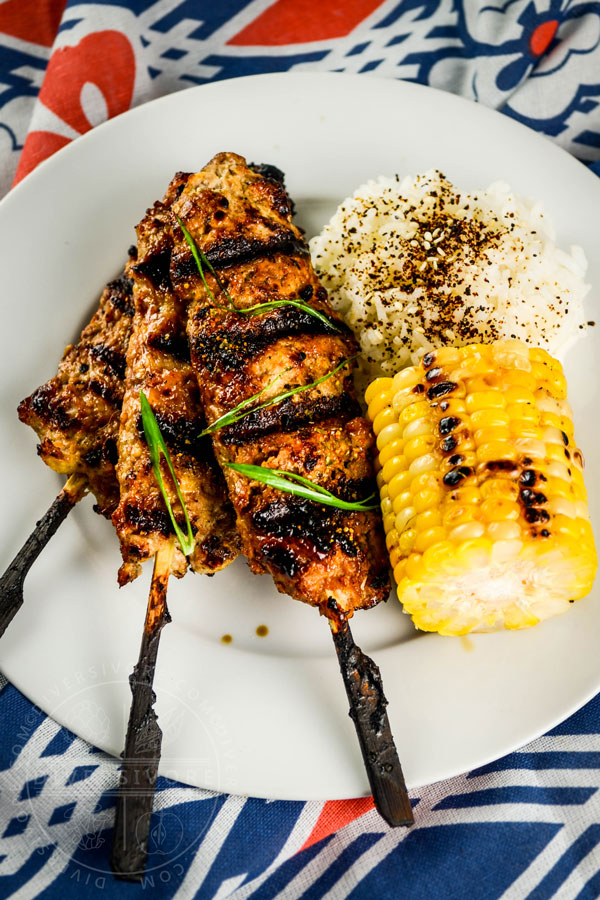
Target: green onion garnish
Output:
[
  {"x": 201, "y": 261},
  {"x": 273, "y": 304},
  {"x": 239, "y": 411},
  {"x": 156, "y": 446},
  {"x": 299, "y": 486}
]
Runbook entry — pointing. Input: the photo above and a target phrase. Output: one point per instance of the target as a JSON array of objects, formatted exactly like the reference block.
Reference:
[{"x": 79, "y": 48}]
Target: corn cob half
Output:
[{"x": 481, "y": 486}]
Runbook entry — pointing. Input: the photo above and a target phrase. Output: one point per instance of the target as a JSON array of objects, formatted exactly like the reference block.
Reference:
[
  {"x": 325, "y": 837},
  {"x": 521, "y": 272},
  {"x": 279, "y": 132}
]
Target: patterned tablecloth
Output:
[{"x": 525, "y": 826}]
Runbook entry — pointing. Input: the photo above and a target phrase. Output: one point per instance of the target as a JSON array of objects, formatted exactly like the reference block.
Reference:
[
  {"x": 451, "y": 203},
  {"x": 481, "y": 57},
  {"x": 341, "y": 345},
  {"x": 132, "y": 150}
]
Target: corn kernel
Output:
[
  {"x": 426, "y": 538},
  {"x": 495, "y": 450},
  {"x": 403, "y": 518},
  {"x": 467, "y": 531},
  {"x": 499, "y": 509},
  {"x": 484, "y": 400},
  {"x": 392, "y": 467},
  {"x": 379, "y": 386},
  {"x": 386, "y": 416},
  {"x": 406, "y": 541},
  {"x": 417, "y": 447}
]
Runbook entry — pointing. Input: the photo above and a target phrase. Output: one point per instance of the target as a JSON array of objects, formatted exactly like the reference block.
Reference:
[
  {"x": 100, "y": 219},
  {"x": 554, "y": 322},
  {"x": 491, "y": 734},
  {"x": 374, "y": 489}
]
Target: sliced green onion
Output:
[
  {"x": 202, "y": 260},
  {"x": 156, "y": 446},
  {"x": 299, "y": 486},
  {"x": 240, "y": 411},
  {"x": 273, "y": 304}
]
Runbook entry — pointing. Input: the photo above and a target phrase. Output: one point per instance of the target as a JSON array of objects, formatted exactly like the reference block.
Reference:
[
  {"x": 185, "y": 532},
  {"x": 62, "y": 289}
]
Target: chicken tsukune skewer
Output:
[
  {"x": 76, "y": 417},
  {"x": 160, "y": 384},
  {"x": 330, "y": 556}
]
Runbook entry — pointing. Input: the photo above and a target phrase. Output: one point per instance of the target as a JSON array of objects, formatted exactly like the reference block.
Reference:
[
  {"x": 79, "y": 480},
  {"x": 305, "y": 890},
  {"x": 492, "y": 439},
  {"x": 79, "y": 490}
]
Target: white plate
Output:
[{"x": 266, "y": 716}]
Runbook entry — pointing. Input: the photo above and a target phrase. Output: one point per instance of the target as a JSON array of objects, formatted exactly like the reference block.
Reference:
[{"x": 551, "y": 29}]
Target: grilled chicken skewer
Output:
[
  {"x": 158, "y": 366},
  {"x": 333, "y": 559},
  {"x": 76, "y": 417}
]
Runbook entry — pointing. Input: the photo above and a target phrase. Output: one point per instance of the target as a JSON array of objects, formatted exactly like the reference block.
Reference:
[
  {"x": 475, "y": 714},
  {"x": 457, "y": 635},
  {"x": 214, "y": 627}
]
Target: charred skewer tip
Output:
[
  {"x": 13, "y": 579},
  {"x": 368, "y": 703},
  {"x": 144, "y": 736}
]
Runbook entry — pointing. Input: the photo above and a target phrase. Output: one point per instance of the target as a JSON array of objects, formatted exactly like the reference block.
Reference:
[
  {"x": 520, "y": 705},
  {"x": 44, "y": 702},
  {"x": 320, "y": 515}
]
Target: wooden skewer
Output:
[
  {"x": 144, "y": 736},
  {"x": 364, "y": 688},
  {"x": 12, "y": 581}
]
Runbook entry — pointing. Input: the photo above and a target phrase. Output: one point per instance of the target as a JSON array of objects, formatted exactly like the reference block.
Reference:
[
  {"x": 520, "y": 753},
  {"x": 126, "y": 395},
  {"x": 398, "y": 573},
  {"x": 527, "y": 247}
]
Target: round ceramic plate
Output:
[{"x": 266, "y": 716}]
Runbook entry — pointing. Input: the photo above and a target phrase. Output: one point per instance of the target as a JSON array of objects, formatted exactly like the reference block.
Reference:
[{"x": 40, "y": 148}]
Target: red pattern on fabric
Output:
[
  {"x": 541, "y": 37},
  {"x": 302, "y": 21},
  {"x": 35, "y": 21},
  {"x": 39, "y": 145},
  {"x": 334, "y": 815},
  {"x": 106, "y": 59}
]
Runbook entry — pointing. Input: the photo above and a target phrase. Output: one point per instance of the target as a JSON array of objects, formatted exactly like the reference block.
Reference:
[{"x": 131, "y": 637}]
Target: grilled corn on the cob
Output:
[{"x": 482, "y": 490}]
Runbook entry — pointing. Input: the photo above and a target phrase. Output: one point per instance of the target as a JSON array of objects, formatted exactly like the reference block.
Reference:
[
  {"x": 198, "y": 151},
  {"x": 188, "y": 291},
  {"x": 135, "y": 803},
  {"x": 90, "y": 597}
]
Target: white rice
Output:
[{"x": 414, "y": 264}]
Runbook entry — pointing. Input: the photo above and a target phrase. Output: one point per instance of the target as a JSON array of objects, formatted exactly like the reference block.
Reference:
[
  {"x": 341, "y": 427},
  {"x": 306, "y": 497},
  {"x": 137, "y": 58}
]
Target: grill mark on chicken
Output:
[
  {"x": 183, "y": 436},
  {"x": 174, "y": 344},
  {"x": 167, "y": 379},
  {"x": 76, "y": 413},
  {"x": 220, "y": 345},
  {"x": 112, "y": 358},
  {"x": 289, "y": 415},
  {"x": 315, "y": 553}
]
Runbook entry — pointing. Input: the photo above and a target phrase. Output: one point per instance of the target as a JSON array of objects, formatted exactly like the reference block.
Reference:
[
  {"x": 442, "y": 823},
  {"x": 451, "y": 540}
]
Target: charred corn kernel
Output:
[{"x": 482, "y": 490}]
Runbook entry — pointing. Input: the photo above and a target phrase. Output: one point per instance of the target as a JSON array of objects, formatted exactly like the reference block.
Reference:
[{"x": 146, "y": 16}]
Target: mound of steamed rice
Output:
[{"x": 414, "y": 264}]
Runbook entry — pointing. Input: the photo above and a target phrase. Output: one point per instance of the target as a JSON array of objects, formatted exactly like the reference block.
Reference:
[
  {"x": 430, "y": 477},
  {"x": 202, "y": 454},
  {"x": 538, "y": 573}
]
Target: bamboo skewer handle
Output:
[
  {"x": 12, "y": 581},
  {"x": 368, "y": 712},
  {"x": 144, "y": 736}
]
